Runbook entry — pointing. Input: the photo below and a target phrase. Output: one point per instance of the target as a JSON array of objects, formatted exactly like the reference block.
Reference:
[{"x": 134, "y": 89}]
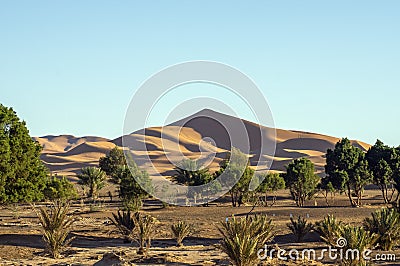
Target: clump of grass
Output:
[
  {"x": 386, "y": 224},
  {"x": 144, "y": 231},
  {"x": 329, "y": 229},
  {"x": 56, "y": 225},
  {"x": 124, "y": 221},
  {"x": 355, "y": 239},
  {"x": 180, "y": 230},
  {"x": 300, "y": 228},
  {"x": 242, "y": 238}
]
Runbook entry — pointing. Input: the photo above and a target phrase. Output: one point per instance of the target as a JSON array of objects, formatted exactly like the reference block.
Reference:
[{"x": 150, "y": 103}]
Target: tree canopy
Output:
[
  {"x": 23, "y": 176},
  {"x": 301, "y": 180},
  {"x": 347, "y": 170}
]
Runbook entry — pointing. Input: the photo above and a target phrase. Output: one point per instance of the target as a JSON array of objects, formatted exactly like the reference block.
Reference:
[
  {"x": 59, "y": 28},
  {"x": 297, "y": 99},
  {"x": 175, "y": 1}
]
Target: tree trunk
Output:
[{"x": 350, "y": 197}]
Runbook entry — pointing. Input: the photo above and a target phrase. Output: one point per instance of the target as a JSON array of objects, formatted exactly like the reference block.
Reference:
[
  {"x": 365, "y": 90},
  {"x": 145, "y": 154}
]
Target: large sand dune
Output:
[{"x": 200, "y": 136}]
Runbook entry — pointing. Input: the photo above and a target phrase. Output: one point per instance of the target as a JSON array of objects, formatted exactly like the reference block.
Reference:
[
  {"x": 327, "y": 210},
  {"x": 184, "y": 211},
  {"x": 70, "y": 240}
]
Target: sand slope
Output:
[{"x": 200, "y": 136}]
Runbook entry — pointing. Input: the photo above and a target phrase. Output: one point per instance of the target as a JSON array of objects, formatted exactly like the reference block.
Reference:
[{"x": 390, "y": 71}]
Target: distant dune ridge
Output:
[{"x": 199, "y": 136}]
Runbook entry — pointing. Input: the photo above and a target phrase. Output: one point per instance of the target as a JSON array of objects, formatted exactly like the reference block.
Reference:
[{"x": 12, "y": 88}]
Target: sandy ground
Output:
[{"x": 21, "y": 244}]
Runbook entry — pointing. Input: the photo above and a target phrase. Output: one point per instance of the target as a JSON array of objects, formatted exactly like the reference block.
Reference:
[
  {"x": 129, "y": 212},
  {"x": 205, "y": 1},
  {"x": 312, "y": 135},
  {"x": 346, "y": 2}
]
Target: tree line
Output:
[{"x": 348, "y": 170}]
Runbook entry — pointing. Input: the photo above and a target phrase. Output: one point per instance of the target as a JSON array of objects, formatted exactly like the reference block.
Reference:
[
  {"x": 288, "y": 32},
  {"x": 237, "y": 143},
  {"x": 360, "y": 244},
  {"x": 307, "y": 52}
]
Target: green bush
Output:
[
  {"x": 56, "y": 225},
  {"x": 59, "y": 188},
  {"x": 386, "y": 224},
  {"x": 180, "y": 230},
  {"x": 300, "y": 228},
  {"x": 329, "y": 229},
  {"x": 242, "y": 238}
]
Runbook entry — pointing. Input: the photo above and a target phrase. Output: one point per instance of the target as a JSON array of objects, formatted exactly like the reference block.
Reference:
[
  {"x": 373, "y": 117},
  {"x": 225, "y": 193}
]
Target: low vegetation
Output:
[
  {"x": 355, "y": 238},
  {"x": 300, "y": 227},
  {"x": 144, "y": 232},
  {"x": 124, "y": 221},
  {"x": 180, "y": 230},
  {"x": 329, "y": 229},
  {"x": 385, "y": 223},
  {"x": 56, "y": 225},
  {"x": 243, "y": 237}
]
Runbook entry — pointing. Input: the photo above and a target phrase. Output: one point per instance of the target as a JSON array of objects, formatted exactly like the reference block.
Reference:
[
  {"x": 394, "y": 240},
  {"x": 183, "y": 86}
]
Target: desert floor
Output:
[{"x": 21, "y": 244}]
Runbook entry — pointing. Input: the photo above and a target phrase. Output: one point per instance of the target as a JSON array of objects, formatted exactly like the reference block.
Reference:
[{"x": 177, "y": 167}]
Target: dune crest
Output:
[{"x": 201, "y": 132}]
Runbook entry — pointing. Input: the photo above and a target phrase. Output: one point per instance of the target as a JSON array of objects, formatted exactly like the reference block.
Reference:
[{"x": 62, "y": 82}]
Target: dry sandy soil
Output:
[{"x": 20, "y": 240}]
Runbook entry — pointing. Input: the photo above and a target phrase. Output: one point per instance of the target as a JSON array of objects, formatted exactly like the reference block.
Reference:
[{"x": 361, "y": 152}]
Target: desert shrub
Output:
[
  {"x": 242, "y": 238},
  {"x": 357, "y": 239},
  {"x": 124, "y": 221},
  {"x": 59, "y": 188},
  {"x": 329, "y": 229},
  {"x": 180, "y": 230},
  {"x": 144, "y": 231},
  {"x": 386, "y": 224},
  {"x": 132, "y": 204},
  {"x": 56, "y": 225},
  {"x": 300, "y": 228}
]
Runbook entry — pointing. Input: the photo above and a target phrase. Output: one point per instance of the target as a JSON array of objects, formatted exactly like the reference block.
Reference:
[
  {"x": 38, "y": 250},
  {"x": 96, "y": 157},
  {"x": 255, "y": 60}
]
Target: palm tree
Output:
[{"x": 94, "y": 178}]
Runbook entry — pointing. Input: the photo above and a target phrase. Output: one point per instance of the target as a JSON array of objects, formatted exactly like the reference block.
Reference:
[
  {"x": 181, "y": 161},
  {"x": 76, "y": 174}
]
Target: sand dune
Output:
[{"x": 197, "y": 137}]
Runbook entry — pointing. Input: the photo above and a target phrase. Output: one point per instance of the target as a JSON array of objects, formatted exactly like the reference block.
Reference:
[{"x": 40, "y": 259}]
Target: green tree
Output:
[
  {"x": 301, "y": 179},
  {"x": 271, "y": 183},
  {"x": 22, "y": 173},
  {"x": 236, "y": 168},
  {"x": 134, "y": 184},
  {"x": 347, "y": 170},
  {"x": 111, "y": 163},
  {"x": 379, "y": 159},
  {"x": 94, "y": 178},
  {"x": 59, "y": 188}
]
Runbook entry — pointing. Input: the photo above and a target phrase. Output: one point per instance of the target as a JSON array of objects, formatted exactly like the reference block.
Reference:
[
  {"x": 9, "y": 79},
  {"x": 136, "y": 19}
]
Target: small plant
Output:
[
  {"x": 144, "y": 231},
  {"x": 329, "y": 229},
  {"x": 130, "y": 204},
  {"x": 386, "y": 224},
  {"x": 125, "y": 223},
  {"x": 355, "y": 238},
  {"x": 300, "y": 228},
  {"x": 242, "y": 238},
  {"x": 56, "y": 225},
  {"x": 15, "y": 210},
  {"x": 180, "y": 230}
]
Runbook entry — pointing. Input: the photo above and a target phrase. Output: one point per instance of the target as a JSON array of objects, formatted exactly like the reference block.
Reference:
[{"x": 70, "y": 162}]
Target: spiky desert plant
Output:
[
  {"x": 144, "y": 231},
  {"x": 56, "y": 225},
  {"x": 300, "y": 228},
  {"x": 329, "y": 229},
  {"x": 353, "y": 242},
  {"x": 124, "y": 221},
  {"x": 242, "y": 238},
  {"x": 180, "y": 230},
  {"x": 386, "y": 224}
]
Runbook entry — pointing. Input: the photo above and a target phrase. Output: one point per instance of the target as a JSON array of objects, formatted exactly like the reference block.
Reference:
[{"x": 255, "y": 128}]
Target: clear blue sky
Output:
[{"x": 332, "y": 67}]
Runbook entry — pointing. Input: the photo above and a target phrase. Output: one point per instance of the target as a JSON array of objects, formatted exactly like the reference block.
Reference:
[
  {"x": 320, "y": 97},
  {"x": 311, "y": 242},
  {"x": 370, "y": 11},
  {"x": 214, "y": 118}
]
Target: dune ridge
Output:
[{"x": 67, "y": 154}]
